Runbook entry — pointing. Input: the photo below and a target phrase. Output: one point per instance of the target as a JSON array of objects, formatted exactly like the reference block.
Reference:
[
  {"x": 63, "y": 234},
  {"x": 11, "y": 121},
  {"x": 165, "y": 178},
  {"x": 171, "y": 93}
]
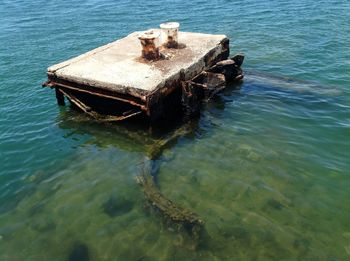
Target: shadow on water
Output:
[{"x": 295, "y": 86}]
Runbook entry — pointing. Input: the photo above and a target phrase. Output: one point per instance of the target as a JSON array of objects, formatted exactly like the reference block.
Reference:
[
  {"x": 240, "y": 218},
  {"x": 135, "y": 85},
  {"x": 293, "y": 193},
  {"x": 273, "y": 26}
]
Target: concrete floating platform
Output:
[
  {"x": 115, "y": 82},
  {"x": 118, "y": 73}
]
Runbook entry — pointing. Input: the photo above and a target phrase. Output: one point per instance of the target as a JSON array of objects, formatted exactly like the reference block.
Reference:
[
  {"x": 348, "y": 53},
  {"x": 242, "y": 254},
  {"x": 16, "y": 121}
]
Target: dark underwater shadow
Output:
[
  {"x": 141, "y": 132},
  {"x": 281, "y": 87},
  {"x": 130, "y": 135},
  {"x": 296, "y": 86},
  {"x": 137, "y": 131}
]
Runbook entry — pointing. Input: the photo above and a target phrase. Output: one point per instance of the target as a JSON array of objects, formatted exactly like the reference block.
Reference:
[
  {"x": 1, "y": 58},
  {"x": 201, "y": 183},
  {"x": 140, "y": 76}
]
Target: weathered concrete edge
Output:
[
  {"x": 61, "y": 65},
  {"x": 53, "y": 68},
  {"x": 154, "y": 99},
  {"x": 199, "y": 65},
  {"x": 51, "y": 71}
]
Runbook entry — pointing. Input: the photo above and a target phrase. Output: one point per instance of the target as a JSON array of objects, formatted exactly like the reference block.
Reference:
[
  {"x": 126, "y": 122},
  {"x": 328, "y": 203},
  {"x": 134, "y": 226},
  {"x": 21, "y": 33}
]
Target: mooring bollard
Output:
[
  {"x": 170, "y": 32},
  {"x": 150, "y": 44}
]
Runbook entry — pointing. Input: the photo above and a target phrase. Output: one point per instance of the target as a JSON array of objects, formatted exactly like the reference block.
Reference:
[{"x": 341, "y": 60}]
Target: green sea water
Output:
[{"x": 266, "y": 166}]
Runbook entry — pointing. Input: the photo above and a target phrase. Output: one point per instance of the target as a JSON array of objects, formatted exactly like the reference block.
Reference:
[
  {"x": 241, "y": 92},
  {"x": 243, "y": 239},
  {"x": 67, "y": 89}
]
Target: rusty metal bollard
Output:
[
  {"x": 170, "y": 32},
  {"x": 150, "y": 45}
]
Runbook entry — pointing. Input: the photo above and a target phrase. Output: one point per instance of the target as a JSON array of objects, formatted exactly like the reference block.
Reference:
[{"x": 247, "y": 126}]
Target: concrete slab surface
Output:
[{"x": 118, "y": 66}]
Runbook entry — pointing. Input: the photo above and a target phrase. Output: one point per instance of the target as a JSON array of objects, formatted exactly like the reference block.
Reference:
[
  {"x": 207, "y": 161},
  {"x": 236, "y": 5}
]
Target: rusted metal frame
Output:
[
  {"x": 161, "y": 93},
  {"x": 120, "y": 118},
  {"x": 225, "y": 43},
  {"x": 210, "y": 59},
  {"x": 82, "y": 88},
  {"x": 59, "y": 97},
  {"x": 94, "y": 114},
  {"x": 154, "y": 96},
  {"x": 138, "y": 97},
  {"x": 219, "y": 85},
  {"x": 76, "y": 102},
  {"x": 192, "y": 94},
  {"x": 238, "y": 59}
]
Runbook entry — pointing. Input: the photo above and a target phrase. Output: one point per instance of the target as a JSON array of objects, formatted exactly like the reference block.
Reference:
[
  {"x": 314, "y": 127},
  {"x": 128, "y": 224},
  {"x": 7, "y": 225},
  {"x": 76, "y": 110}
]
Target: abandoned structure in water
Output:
[{"x": 170, "y": 72}]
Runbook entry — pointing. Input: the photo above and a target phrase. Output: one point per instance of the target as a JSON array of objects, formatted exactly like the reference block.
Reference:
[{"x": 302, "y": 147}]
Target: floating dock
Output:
[{"x": 121, "y": 81}]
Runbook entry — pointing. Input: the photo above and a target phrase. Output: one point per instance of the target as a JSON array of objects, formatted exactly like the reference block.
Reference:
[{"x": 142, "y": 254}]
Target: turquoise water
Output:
[{"x": 266, "y": 166}]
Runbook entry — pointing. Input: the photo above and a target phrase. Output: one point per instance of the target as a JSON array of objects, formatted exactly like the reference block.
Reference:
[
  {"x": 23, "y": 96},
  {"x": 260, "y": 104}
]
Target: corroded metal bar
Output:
[
  {"x": 129, "y": 100},
  {"x": 94, "y": 114}
]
